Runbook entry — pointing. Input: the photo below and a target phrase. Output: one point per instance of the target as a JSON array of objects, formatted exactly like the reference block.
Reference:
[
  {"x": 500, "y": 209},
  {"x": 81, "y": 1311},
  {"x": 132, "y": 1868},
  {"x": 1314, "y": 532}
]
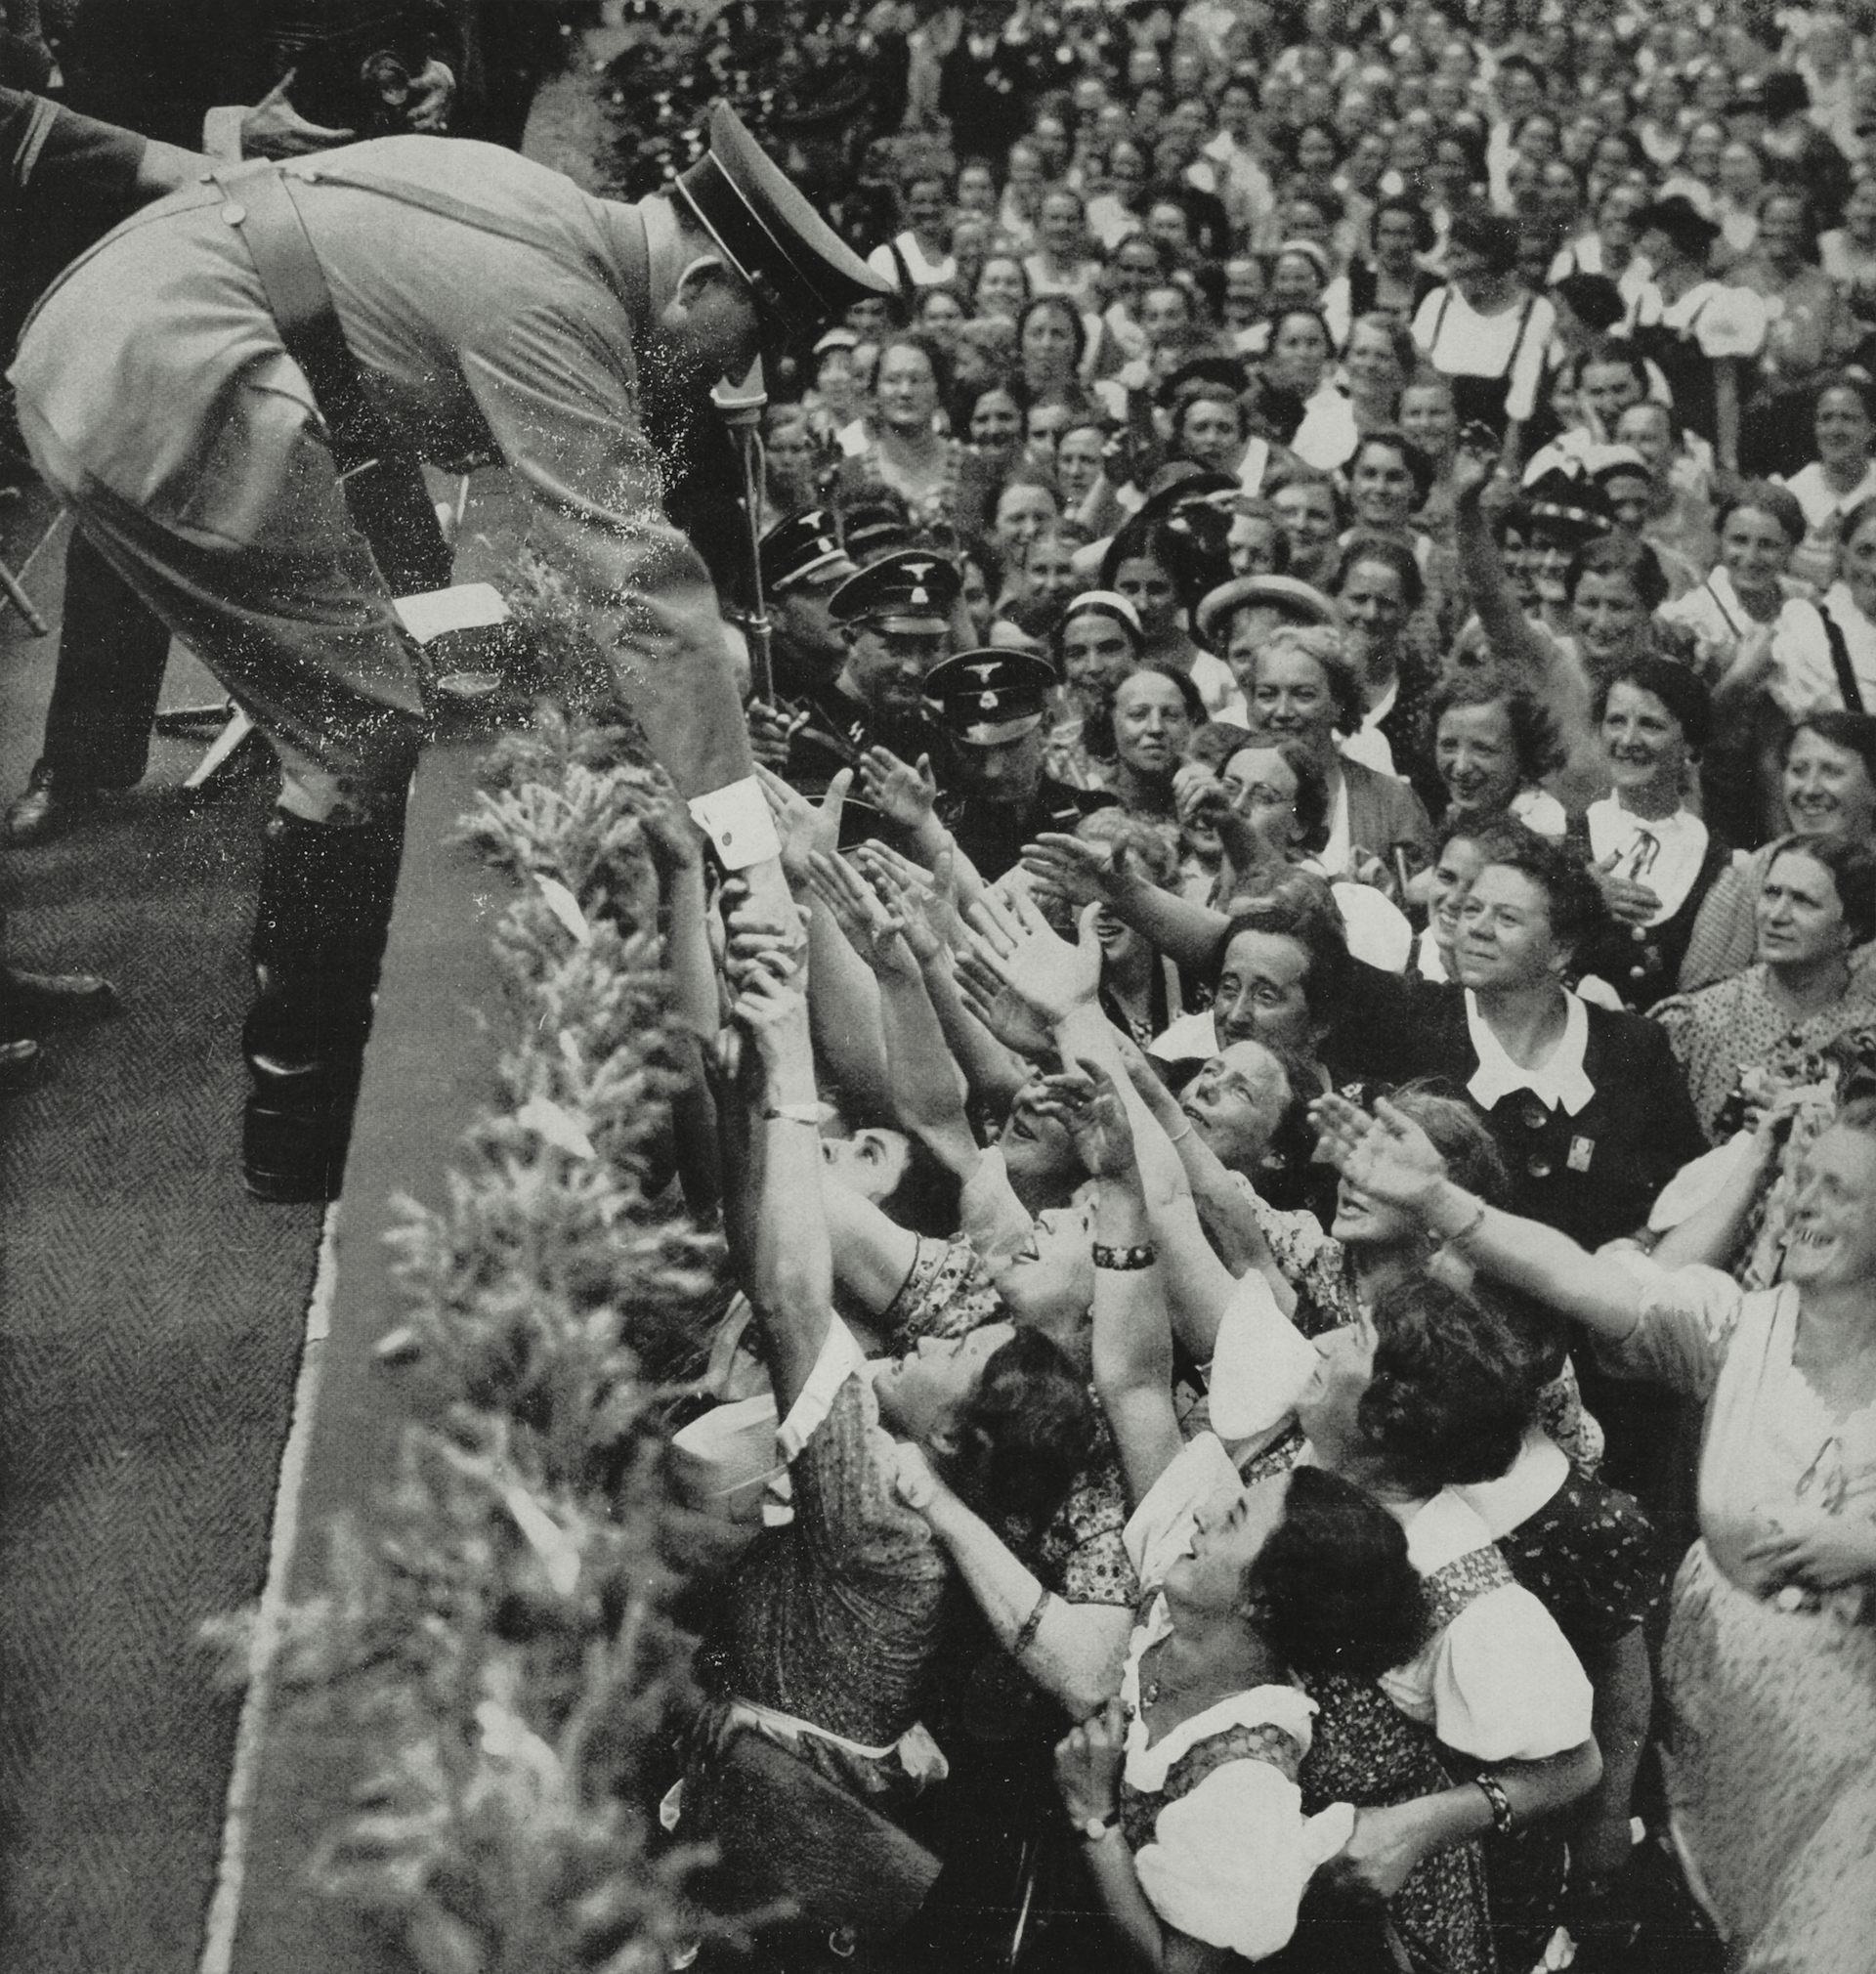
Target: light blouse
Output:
[{"x": 1228, "y": 1859}]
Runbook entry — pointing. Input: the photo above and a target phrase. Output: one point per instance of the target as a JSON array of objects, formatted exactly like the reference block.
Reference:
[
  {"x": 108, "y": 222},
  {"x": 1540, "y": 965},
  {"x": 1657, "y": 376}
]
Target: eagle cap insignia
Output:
[{"x": 985, "y": 671}]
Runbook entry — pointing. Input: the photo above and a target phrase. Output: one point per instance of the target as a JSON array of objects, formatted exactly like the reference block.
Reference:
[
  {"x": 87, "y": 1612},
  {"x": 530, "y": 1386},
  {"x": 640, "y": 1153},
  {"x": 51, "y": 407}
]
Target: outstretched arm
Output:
[
  {"x": 1391, "y": 1157},
  {"x": 1073, "y": 1652},
  {"x": 1087, "y": 873},
  {"x": 789, "y": 1265}
]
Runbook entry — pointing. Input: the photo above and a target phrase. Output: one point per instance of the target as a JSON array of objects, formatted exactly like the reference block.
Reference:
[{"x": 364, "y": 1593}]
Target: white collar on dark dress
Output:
[{"x": 1559, "y": 1081}]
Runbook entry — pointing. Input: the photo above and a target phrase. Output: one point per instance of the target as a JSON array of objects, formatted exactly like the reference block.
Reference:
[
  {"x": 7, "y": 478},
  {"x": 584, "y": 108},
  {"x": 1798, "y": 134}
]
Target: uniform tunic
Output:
[{"x": 493, "y": 308}]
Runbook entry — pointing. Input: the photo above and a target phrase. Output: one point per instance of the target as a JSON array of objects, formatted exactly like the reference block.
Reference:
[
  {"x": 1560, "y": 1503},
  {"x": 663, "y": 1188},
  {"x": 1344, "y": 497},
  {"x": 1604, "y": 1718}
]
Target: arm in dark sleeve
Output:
[{"x": 65, "y": 182}]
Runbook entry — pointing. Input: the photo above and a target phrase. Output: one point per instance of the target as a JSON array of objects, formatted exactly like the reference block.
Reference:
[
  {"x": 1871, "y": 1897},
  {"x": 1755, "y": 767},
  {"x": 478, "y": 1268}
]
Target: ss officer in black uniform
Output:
[
  {"x": 993, "y": 704},
  {"x": 895, "y": 623},
  {"x": 802, "y": 565}
]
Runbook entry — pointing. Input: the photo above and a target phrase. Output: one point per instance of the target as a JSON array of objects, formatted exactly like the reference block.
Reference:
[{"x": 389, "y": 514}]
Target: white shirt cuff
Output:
[{"x": 737, "y": 820}]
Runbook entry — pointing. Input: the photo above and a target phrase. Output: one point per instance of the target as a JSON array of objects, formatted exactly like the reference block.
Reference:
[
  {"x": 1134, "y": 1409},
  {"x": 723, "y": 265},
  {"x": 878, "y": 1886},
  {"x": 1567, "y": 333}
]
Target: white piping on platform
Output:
[{"x": 231, "y": 1872}]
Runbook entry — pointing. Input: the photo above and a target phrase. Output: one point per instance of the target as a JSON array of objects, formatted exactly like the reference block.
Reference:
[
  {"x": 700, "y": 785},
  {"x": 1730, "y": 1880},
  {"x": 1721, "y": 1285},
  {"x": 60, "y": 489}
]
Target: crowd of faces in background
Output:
[{"x": 1348, "y": 565}]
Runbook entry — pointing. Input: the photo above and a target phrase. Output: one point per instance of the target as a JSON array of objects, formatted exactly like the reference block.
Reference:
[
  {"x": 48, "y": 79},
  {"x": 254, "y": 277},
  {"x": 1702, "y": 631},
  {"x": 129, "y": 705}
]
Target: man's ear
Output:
[{"x": 697, "y": 278}]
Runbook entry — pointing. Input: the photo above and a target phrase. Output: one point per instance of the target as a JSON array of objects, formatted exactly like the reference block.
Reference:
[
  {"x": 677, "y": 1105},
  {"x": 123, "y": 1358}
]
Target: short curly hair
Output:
[
  {"x": 1025, "y": 1432},
  {"x": 1535, "y": 737},
  {"x": 1332, "y": 1585},
  {"x": 1577, "y": 913},
  {"x": 1097, "y": 735},
  {"x": 1326, "y": 644},
  {"x": 1851, "y": 865},
  {"x": 1450, "y": 1398},
  {"x": 1679, "y": 689}
]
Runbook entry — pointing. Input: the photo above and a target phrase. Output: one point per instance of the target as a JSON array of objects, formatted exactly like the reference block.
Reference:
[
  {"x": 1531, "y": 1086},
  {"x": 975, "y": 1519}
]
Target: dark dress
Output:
[
  {"x": 1642, "y": 962},
  {"x": 1594, "y": 1176}
]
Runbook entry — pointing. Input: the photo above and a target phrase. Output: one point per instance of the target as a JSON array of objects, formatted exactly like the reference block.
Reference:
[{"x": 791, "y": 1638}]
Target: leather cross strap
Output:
[{"x": 385, "y": 491}]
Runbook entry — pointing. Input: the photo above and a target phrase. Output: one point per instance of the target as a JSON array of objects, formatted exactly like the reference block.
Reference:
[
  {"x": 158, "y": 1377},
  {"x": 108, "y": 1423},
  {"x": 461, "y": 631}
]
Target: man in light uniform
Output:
[{"x": 495, "y": 312}]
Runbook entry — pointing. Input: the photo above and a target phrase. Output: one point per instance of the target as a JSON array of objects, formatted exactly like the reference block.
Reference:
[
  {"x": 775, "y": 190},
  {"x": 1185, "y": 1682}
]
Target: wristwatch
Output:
[{"x": 1092, "y": 1829}]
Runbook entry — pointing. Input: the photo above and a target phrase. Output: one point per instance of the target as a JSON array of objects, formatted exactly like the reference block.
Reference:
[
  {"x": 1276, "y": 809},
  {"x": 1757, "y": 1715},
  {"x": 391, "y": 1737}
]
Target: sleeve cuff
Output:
[
  {"x": 737, "y": 820},
  {"x": 1261, "y": 1363},
  {"x": 839, "y": 1359}
]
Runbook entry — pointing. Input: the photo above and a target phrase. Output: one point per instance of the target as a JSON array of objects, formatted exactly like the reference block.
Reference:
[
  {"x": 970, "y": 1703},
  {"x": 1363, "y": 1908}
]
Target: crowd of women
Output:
[{"x": 1303, "y": 1172}]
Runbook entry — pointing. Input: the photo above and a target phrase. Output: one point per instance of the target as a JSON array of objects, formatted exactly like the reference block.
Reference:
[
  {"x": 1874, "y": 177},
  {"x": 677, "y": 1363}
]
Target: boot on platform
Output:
[{"x": 319, "y": 939}]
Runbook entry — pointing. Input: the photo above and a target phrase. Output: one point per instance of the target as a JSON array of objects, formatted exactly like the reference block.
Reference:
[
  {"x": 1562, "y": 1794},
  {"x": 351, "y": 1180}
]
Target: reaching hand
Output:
[
  {"x": 803, "y": 827},
  {"x": 771, "y": 1009},
  {"x": 433, "y": 94},
  {"x": 1475, "y": 465},
  {"x": 1388, "y": 1155},
  {"x": 903, "y": 794},
  {"x": 1084, "y": 873},
  {"x": 1088, "y": 1102},
  {"x": 771, "y": 729},
  {"x": 1192, "y": 783},
  {"x": 923, "y": 902},
  {"x": 1088, "y": 1764},
  {"x": 757, "y": 944},
  {"x": 273, "y": 128},
  {"x": 1055, "y": 978},
  {"x": 872, "y": 930},
  {"x": 1001, "y": 1008}
]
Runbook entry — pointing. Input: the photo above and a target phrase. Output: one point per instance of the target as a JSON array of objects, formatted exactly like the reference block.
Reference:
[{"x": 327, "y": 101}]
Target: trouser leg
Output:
[
  {"x": 297, "y": 623},
  {"x": 112, "y": 648}
]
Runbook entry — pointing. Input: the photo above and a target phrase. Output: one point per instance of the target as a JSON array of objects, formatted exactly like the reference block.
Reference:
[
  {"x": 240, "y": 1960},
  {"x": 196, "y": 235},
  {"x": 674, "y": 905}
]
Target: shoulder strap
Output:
[
  {"x": 1518, "y": 341},
  {"x": 383, "y": 479},
  {"x": 1847, "y": 690}
]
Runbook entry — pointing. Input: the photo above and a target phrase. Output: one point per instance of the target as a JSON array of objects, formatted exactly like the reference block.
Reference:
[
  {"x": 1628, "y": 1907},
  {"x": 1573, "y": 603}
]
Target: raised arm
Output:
[
  {"x": 907, "y": 797},
  {"x": 1074, "y": 1651},
  {"x": 843, "y": 1003},
  {"x": 789, "y": 1265},
  {"x": 924, "y": 1092},
  {"x": 1087, "y": 873},
  {"x": 1507, "y": 630},
  {"x": 675, "y": 847},
  {"x": 927, "y": 905},
  {"x": 1389, "y": 1156}
]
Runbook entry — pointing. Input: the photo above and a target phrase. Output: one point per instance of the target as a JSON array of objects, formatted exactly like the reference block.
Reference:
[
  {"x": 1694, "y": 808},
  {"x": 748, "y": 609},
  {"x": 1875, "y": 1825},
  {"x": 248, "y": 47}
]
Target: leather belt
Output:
[{"x": 382, "y": 476}]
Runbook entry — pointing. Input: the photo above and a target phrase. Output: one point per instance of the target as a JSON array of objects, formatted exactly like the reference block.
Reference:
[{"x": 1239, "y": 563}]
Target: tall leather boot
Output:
[{"x": 319, "y": 939}]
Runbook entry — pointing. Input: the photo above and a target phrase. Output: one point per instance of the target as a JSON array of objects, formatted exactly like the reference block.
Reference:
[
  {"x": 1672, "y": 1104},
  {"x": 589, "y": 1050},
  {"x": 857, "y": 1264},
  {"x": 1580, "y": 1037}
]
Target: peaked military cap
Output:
[
  {"x": 909, "y": 590},
  {"x": 871, "y": 528},
  {"x": 991, "y": 695},
  {"x": 798, "y": 267},
  {"x": 803, "y": 551}
]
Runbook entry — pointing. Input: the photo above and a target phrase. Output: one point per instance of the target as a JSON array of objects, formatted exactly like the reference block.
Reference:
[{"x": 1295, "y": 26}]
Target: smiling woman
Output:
[{"x": 1769, "y": 1665}]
